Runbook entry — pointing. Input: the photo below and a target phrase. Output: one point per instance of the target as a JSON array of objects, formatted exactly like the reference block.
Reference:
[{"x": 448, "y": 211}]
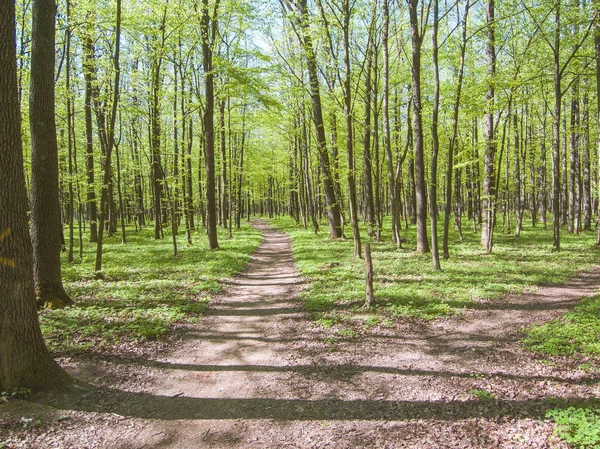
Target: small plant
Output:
[
  {"x": 330, "y": 341},
  {"x": 371, "y": 320},
  {"x": 579, "y": 425},
  {"x": 349, "y": 333},
  {"x": 482, "y": 395},
  {"x": 18, "y": 393},
  {"x": 328, "y": 320}
]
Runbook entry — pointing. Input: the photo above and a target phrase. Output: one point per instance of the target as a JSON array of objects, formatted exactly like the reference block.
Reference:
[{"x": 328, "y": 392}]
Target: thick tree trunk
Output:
[
  {"x": 24, "y": 360},
  {"x": 45, "y": 208}
]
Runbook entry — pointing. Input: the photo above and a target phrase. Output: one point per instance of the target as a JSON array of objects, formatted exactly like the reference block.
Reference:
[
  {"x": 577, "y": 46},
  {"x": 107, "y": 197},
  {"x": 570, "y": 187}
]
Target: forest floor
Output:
[{"x": 255, "y": 372}]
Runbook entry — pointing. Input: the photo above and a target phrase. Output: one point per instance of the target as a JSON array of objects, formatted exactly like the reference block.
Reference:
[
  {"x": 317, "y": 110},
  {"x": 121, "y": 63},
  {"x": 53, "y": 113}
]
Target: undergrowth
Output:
[
  {"x": 579, "y": 425},
  {"x": 145, "y": 291},
  {"x": 576, "y": 332},
  {"x": 406, "y": 285}
]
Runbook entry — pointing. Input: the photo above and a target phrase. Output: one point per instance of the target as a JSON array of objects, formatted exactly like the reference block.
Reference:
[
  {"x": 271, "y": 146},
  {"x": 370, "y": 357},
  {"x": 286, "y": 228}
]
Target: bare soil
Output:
[{"x": 255, "y": 373}]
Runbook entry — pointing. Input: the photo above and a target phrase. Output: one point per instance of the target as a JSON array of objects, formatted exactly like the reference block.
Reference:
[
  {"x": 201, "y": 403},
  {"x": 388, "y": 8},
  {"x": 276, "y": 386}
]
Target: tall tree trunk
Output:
[
  {"x": 451, "y": 147},
  {"x": 420, "y": 187},
  {"x": 208, "y": 31},
  {"x": 24, "y": 360},
  {"x": 518, "y": 196},
  {"x": 386, "y": 127},
  {"x": 332, "y": 205},
  {"x": 350, "y": 132},
  {"x": 596, "y": 4},
  {"x": 45, "y": 208},
  {"x": 586, "y": 163},
  {"x": 556, "y": 132},
  {"x": 70, "y": 131},
  {"x": 573, "y": 160},
  {"x": 89, "y": 68},
  {"x": 369, "y": 194},
  {"x": 490, "y": 145},
  {"x": 436, "y": 141},
  {"x": 543, "y": 190},
  {"x": 224, "y": 181},
  {"x": 110, "y": 141}
]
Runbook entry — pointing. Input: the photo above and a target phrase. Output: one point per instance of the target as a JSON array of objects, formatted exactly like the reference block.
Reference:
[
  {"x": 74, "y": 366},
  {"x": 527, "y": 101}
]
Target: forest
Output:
[{"x": 299, "y": 223}]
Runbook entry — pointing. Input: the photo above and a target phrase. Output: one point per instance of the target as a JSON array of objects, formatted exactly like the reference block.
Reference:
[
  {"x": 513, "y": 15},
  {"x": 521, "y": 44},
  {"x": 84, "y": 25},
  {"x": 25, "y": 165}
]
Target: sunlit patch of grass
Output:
[
  {"x": 407, "y": 286},
  {"x": 145, "y": 291},
  {"x": 574, "y": 333}
]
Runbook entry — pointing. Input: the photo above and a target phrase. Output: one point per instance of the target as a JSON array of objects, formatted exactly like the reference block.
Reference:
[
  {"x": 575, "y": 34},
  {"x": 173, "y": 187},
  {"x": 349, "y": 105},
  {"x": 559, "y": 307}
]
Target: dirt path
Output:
[{"x": 256, "y": 374}]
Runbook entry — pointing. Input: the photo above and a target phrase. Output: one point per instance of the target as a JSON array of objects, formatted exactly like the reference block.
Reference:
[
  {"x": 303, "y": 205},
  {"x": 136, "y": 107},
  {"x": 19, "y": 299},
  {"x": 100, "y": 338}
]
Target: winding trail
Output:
[{"x": 255, "y": 373}]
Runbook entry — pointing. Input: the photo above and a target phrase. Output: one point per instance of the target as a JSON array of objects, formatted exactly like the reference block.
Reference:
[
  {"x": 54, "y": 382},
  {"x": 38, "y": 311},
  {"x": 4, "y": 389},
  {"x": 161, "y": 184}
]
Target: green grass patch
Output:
[
  {"x": 145, "y": 291},
  {"x": 577, "y": 425},
  {"x": 576, "y": 332},
  {"x": 482, "y": 395},
  {"x": 407, "y": 286}
]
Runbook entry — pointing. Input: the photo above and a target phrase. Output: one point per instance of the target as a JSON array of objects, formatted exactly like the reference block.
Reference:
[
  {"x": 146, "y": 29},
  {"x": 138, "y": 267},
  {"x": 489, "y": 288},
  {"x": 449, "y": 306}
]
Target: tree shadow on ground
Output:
[
  {"x": 341, "y": 371},
  {"x": 148, "y": 406}
]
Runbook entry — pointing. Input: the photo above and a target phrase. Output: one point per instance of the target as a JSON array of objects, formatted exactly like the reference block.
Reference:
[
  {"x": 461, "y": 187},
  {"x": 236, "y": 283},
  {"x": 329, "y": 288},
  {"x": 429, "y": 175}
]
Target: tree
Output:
[
  {"x": 417, "y": 32},
  {"x": 45, "y": 209},
  {"x": 24, "y": 359},
  {"x": 489, "y": 186},
  {"x": 110, "y": 141},
  {"x": 395, "y": 203},
  {"x": 208, "y": 32},
  {"x": 454, "y": 136},
  {"x": 302, "y": 29},
  {"x": 436, "y": 140}
]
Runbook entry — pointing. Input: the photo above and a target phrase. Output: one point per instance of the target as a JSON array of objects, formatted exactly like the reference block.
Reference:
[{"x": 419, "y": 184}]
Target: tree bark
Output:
[
  {"x": 394, "y": 203},
  {"x": 350, "y": 132},
  {"x": 452, "y": 144},
  {"x": 490, "y": 144},
  {"x": 110, "y": 142},
  {"x": 208, "y": 30},
  {"x": 556, "y": 132},
  {"x": 436, "y": 141},
  {"x": 24, "y": 360},
  {"x": 88, "y": 65},
  {"x": 420, "y": 187},
  {"x": 332, "y": 205},
  {"x": 45, "y": 208}
]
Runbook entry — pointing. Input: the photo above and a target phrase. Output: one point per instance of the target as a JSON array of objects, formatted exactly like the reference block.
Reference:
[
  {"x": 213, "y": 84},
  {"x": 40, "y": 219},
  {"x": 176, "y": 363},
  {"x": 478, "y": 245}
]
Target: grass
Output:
[
  {"x": 406, "y": 285},
  {"x": 578, "y": 425},
  {"x": 575, "y": 333},
  {"x": 146, "y": 291}
]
